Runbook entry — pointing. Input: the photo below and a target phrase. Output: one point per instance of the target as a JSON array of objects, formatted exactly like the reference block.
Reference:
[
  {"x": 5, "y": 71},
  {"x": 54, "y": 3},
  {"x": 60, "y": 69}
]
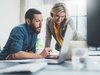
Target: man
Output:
[{"x": 22, "y": 40}]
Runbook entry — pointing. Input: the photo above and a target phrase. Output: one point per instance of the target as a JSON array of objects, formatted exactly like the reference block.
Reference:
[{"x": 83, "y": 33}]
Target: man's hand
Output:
[{"x": 45, "y": 52}]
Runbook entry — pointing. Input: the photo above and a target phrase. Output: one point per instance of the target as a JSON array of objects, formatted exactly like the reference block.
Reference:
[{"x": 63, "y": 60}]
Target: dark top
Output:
[{"x": 22, "y": 38}]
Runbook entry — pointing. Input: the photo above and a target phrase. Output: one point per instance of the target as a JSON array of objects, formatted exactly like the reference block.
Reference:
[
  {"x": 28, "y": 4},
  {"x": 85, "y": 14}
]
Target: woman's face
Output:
[{"x": 58, "y": 17}]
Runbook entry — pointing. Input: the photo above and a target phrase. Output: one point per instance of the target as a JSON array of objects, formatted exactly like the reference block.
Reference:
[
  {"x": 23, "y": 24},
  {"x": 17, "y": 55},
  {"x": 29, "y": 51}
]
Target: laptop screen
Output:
[{"x": 68, "y": 37}]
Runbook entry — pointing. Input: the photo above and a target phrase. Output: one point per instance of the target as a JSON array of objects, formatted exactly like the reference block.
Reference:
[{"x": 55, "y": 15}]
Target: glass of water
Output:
[{"x": 79, "y": 57}]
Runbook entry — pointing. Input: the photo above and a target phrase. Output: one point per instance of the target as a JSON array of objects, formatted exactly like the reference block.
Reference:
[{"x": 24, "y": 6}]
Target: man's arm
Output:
[{"x": 29, "y": 55}]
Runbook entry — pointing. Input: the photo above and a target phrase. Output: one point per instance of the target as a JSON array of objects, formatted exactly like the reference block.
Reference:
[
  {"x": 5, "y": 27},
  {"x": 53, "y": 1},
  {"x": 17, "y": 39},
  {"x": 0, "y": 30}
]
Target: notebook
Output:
[{"x": 15, "y": 67}]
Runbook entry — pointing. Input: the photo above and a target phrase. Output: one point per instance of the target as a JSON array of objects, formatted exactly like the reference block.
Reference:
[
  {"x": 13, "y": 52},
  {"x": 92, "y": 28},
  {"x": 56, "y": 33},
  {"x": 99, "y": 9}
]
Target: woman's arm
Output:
[{"x": 48, "y": 34}]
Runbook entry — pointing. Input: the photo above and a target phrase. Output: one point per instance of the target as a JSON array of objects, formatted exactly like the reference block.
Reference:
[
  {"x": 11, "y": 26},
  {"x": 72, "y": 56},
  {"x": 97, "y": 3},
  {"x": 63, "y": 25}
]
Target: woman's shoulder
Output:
[
  {"x": 70, "y": 22},
  {"x": 49, "y": 19},
  {"x": 69, "y": 19}
]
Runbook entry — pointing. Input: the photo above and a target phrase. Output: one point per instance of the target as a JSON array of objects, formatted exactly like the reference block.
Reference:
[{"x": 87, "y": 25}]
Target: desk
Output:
[
  {"x": 62, "y": 69},
  {"x": 65, "y": 69}
]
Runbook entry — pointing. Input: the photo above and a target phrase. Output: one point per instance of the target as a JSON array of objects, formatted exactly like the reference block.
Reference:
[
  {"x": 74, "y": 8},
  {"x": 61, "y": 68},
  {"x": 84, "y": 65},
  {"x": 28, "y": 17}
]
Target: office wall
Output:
[{"x": 9, "y": 17}]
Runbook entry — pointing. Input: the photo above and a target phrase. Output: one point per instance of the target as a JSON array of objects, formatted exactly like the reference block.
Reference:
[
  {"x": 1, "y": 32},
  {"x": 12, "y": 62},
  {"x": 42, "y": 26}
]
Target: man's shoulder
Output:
[{"x": 20, "y": 27}]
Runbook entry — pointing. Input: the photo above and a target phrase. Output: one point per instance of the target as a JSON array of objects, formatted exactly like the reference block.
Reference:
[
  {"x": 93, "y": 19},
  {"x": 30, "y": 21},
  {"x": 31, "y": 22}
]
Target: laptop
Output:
[{"x": 65, "y": 47}]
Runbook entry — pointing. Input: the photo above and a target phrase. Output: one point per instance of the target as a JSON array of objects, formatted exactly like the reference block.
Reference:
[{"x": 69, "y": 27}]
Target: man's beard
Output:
[{"x": 34, "y": 28}]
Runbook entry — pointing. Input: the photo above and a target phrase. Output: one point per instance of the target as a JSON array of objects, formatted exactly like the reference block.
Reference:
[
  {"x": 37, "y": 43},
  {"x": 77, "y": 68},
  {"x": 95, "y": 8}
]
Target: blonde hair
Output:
[{"x": 59, "y": 7}]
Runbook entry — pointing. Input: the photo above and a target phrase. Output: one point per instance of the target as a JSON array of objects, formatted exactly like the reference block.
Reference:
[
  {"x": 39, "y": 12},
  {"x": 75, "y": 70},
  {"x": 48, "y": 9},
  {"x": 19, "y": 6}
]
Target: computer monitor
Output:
[{"x": 93, "y": 23}]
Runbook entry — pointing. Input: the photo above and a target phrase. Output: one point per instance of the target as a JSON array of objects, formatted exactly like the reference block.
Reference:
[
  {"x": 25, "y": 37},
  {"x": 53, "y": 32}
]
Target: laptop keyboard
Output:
[{"x": 93, "y": 51}]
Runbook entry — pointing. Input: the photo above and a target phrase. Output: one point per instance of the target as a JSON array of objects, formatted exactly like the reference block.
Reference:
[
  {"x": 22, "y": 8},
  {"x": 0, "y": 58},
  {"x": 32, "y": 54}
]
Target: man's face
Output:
[
  {"x": 58, "y": 17},
  {"x": 36, "y": 22}
]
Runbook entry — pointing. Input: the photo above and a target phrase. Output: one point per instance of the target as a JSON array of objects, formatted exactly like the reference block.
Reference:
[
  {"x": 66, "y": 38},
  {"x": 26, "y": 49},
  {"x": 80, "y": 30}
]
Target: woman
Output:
[{"x": 56, "y": 25}]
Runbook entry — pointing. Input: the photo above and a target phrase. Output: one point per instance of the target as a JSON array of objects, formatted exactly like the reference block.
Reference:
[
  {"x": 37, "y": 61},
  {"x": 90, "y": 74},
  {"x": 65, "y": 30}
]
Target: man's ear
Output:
[{"x": 28, "y": 21}]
